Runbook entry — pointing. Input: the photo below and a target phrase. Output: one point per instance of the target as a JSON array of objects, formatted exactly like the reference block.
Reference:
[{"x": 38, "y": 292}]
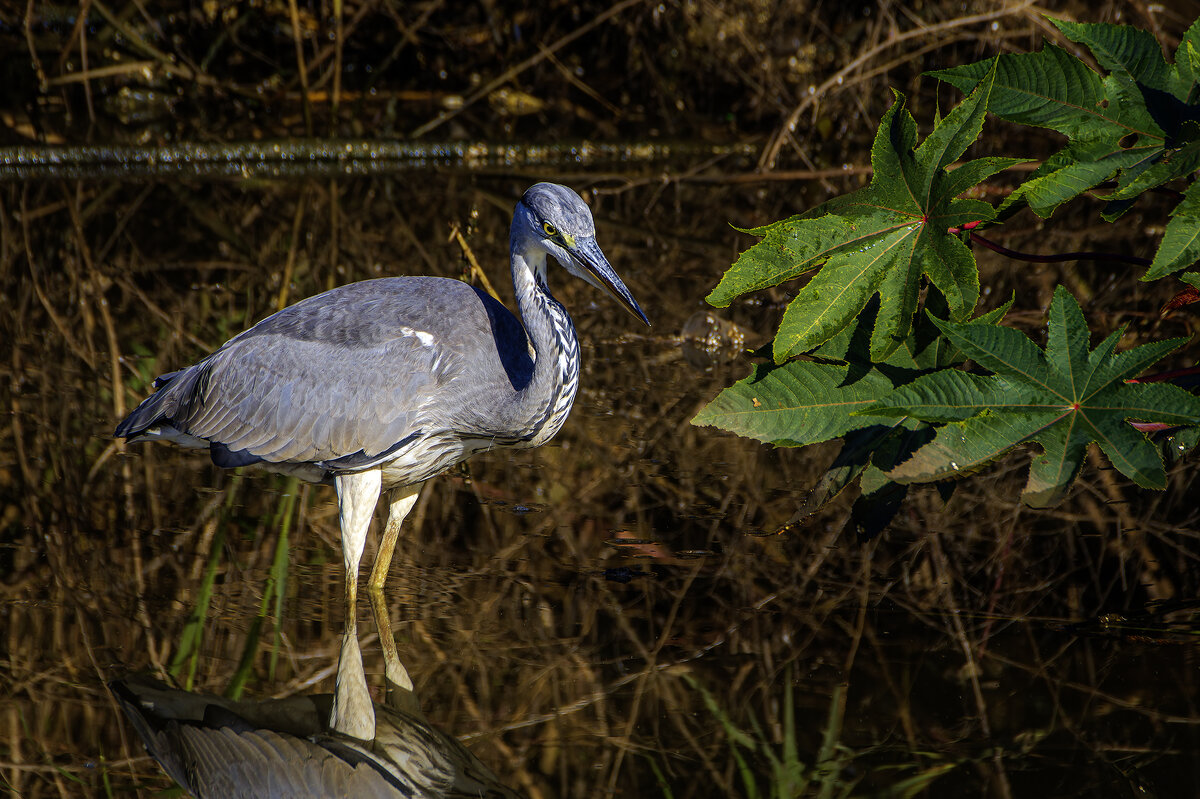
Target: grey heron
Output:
[
  {"x": 383, "y": 384},
  {"x": 285, "y": 748}
]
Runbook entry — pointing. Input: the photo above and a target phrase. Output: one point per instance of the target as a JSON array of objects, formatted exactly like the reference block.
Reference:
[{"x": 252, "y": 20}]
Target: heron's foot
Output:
[{"x": 403, "y": 699}]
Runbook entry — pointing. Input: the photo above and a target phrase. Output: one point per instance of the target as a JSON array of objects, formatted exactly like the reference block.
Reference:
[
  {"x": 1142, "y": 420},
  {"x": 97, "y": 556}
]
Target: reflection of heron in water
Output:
[
  {"x": 284, "y": 748},
  {"x": 386, "y": 383}
]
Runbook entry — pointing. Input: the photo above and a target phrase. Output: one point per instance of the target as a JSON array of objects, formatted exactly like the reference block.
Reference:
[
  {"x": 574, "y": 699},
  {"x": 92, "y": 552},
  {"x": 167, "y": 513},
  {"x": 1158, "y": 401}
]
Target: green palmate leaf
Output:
[
  {"x": 1176, "y": 162},
  {"x": 1131, "y": 53},
  {"x": 1180, "y": 245},
  {"x": 1062, "y": 399},
  {"x": 796, "y": 404},
  {"x": 856, "y": 453},
  {"x": 970, "y": 174},
  {"x": 786, "y": 251},
  {"x": 900, "y": 232},
  {"x": 1077, "y": 168},
  {"x": 880, "y": 240},
  {"x": 1187, "y": 65},
  {"x": 923, "y": 350},
  {"x": 1114, "y": 124},
  {"x": 868, "y": 452},
  {"x": 1140, "y": 123},
  {"x": 1054, "y": 89},
  {"x": 836, "y": 294}
]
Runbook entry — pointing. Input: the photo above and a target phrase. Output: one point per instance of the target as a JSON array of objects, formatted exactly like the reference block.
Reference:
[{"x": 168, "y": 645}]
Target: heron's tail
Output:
[
  {"x": 160, "y": 741},
  {"x": 176, "y": 395}
]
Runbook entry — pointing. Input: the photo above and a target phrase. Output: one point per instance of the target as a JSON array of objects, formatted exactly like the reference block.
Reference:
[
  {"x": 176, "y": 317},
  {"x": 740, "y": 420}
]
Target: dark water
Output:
[
  {"x": 626, "y": 611},
  {"x": 573, "y": 663}
]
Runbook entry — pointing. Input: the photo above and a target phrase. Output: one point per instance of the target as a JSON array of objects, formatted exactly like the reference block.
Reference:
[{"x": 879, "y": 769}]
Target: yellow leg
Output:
[
  {"x": 399, "y": 689},
  {"x": 399, "y": 685},
  {"x": 401, "y": 502}
]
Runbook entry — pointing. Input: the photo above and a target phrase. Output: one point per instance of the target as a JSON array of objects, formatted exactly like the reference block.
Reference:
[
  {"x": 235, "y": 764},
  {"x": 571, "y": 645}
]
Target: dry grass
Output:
[{"x": 941, "y": 643}]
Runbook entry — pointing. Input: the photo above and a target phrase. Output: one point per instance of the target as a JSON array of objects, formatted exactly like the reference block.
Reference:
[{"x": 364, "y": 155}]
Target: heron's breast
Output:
[{"x": 430, "y": 455}]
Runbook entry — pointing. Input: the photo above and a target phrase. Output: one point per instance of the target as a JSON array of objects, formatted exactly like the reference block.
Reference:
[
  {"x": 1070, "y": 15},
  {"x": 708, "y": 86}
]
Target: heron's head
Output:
[{"x": 554, "y": 220}]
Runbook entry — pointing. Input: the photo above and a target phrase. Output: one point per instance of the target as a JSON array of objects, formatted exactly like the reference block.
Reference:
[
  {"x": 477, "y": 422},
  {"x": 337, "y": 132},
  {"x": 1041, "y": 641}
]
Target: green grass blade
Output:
[{"x": 187, "y": 653}]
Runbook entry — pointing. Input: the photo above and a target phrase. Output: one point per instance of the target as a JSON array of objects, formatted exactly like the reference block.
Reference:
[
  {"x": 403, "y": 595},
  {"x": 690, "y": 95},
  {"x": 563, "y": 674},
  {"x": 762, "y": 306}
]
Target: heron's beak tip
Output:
[
  {"x": 601, "y": 274},
  {"x": 625, "y": 299}
]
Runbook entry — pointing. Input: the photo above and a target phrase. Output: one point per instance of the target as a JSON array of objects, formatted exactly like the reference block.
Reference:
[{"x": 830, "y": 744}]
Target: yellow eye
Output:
[{"x": 549, "y": 229}]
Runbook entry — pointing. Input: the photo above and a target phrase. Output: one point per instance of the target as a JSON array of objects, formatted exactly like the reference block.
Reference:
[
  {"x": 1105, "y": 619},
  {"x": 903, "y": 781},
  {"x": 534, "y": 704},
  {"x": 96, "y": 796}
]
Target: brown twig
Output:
[
  {"x": 476, "y": 270},
  {"x": 783, "y": 133},
  {"x": 517, "y": 69}
]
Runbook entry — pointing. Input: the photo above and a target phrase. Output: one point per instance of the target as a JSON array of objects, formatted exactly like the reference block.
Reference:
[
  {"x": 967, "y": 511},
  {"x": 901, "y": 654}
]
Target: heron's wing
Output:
[
  {"x": 285, "y": 399},
  {"x": 349, "y": 374},
  {"x": 418, "y": 753},
  {"x": 302, "y": 715},
  {"x": 263, "y": 763},
  {"x": 215, "y": 747},
  {"x": 203, "y": 744}
]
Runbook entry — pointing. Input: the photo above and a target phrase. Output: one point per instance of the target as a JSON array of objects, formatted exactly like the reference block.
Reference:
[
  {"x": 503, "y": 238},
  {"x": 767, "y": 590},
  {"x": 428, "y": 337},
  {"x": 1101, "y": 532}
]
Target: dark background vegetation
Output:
[{"x": 1015, "y": 649}]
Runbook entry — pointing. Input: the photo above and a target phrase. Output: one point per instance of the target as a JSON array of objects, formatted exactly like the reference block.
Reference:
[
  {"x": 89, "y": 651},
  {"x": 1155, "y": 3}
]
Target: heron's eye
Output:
[{"x": 549, "y": 229}]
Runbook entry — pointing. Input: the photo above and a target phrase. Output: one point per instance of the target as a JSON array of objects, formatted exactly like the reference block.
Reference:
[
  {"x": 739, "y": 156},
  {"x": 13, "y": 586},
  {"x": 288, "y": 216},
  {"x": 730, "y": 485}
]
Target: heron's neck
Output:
[{"x": 548, "y": 396}]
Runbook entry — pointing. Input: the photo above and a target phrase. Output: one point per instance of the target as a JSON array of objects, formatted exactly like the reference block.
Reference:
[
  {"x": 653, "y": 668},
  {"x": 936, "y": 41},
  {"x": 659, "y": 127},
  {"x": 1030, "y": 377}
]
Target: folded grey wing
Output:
[
  {"x": 212, "y": 751},
  {"x": 262, "y": 763},
  {"x": 419, "y": 754},
  {"x": 217, "y": 747},
  {"x": 284, "y": 399}
]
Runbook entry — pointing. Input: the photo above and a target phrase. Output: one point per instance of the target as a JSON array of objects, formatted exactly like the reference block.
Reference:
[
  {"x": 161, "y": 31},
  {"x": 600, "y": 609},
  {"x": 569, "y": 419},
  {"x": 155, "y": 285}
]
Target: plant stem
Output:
[
  {"x": 1132, "y": 260},
  {"x": 1163, "y": 377}
]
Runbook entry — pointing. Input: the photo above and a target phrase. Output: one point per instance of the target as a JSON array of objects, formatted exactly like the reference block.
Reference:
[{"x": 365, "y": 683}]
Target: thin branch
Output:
[{"x": 781, "y": 135}]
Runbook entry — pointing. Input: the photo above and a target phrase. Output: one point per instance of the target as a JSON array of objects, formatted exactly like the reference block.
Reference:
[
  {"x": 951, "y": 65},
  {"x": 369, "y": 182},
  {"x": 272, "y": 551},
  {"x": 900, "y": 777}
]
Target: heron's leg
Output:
[
  {"x": 399, "y": 685},
  {"x": 399, "y": 690},
  {"x": 401, "y": 501},
  {"x": 353, "y": 714}
]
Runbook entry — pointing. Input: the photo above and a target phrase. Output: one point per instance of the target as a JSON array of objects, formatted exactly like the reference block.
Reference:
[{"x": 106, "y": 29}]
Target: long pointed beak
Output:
[{"x": 595, "y": 269}]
